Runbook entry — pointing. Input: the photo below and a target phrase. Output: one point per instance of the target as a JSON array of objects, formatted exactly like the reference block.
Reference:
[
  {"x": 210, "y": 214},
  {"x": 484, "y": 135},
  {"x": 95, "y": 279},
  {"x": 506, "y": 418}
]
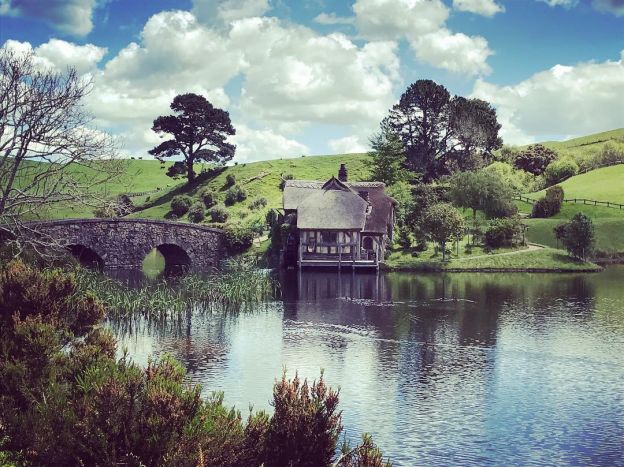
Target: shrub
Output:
[
  {"x": 577, "y": 236},
  {"x": 238, "y": 240},
  {"x": 124, "y": 205},
  {"x": 234, "y": 195},
  {"x": 230, "y": 180},
  {"x": 403, "y": 237},
  {"x": 208, "y": 197},
  {"x": 560, "y": 170},
  {"x": 180, "y": 205},
  {"x": 258, "y": 203},
  {"x": 610, "y": 154},
  {"x": 197, "y": 212},
  {"x": 504, "y": 232},
  {"x": 283, "y": 179},
  {"x": 218, "y": 213},
  {"x": 550, "y": 204}
]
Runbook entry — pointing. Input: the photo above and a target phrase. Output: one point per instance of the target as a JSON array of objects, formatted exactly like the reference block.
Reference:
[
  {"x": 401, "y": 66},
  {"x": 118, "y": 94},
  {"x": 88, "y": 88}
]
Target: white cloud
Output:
[
  {"x": 564, "y": 100},
  {"x": 226, "y": 11},
  {"x": 392, "y": 19},
  {"x": 480, "y": 7},
  {"x": 73, "y": 17},
  {"x": 255, "y": 145},
  {"x": 455, "y": 52},
  {"x": 563, "y": 3},
  {"x": 293, "y": 75},
  {"x": 332, "y": 18},
  {"x": 347, "y": 145},
  {"x": 58, "y": 55},
  {"x": 423, "y": 24}
]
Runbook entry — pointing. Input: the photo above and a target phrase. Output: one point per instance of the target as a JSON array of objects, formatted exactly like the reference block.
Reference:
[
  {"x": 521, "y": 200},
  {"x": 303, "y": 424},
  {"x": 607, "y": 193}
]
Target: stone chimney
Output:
[{"x": 342, "y": 173}]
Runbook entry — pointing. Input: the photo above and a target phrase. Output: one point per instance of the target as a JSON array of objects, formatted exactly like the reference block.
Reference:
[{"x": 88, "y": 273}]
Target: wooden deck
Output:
[{"x": 335, "y": 261}]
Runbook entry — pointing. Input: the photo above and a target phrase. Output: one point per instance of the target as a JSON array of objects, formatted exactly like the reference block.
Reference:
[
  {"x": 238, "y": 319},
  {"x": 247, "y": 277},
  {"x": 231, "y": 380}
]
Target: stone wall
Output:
[{"x": 124, "y": 243}]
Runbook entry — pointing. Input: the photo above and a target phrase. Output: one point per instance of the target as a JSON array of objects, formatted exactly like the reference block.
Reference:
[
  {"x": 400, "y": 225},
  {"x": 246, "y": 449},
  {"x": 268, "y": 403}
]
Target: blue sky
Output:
[{"x": 316, "y": 76}]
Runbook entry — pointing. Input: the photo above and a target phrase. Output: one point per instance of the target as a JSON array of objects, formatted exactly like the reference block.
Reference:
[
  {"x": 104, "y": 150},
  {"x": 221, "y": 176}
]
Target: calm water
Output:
[{"x": 464, "y": 369}]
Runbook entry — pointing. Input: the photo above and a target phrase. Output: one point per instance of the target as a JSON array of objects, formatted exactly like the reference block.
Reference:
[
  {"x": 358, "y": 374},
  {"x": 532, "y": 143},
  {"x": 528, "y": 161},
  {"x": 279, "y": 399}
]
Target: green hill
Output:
[
  {"x": 585, "y": 146},
  {"x": 605, "y": 184},
  {"x": 261, "y": 180}
]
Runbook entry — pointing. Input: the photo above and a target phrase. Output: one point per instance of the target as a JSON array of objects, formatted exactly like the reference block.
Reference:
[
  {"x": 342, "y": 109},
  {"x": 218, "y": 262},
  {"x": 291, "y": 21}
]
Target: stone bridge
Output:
[{"x": 124, "y": 243}]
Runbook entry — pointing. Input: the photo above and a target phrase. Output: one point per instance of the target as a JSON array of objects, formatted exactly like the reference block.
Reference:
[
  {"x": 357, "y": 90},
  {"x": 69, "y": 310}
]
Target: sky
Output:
[{"x": 317, "y": 76}]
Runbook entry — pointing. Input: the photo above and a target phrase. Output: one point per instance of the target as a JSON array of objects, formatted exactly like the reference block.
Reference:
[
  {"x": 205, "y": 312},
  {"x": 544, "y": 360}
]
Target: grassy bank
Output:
[{"x": 538, "y": 260}]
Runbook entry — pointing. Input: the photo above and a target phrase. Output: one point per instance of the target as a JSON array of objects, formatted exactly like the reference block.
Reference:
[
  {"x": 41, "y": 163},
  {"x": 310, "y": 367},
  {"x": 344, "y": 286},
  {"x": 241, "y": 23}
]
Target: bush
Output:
[
  {"x": 230, "y": 180},
  {"x": 208, "y": 197},
  {"x": 403, "y": 237},
  {"x": 550, "y": 204},
  {"x": 197, "y": 213},
  {"x": 218, "y": 213},
  {"x": 258, "y": 203},
  {"x": 65, "y": 398},
  {"x": 234, "y": 195},
  {"x": 180, "y": 205},
  {"x": 577, "y": 236},
  {"x": 272, "y": 217},
  {"x": 238, "y": 240},
  {"x": 504, "y": 232},
  {"x": 560, "y": 170},
  {"x": 610, "y": 154}
]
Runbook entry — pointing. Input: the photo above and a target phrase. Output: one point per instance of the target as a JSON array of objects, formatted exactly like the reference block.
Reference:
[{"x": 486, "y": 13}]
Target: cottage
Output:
[{"x": 338, "y": 223}]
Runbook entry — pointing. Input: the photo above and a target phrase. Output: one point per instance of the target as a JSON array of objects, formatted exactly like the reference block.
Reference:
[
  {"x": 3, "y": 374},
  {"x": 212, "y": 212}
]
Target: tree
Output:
[
  {"x": 535, "y": 159},
  {"x": 442, "y": 222},
  {"x": 199, "y": 133},
  {"x": 482, "y": 190},
  {"x": 388, "y": 156},
  {"x": 49, "y": 154},
  {"x": 577, "y": 236},
  {"x": 442, "y": 134}
]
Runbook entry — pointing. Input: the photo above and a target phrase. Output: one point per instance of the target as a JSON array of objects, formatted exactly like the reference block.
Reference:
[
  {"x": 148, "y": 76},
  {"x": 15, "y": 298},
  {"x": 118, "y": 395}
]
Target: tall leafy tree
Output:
[
  {"x": 441, "y": 133},
  {"x": 199, "y": 132},
  {"x": 388, "y": 156},
  {"x": 578, "y": 235}
]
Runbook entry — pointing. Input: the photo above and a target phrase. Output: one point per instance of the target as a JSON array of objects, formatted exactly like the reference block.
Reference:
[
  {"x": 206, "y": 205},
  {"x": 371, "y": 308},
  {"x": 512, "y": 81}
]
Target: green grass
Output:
[
  {"x": 609, "y": 233},
  {"x": 605, "y": 184},
  {"x": 546, "y": 259},
  {"x": 261, "y": 179},
  {"x": 585, "y": 146}
]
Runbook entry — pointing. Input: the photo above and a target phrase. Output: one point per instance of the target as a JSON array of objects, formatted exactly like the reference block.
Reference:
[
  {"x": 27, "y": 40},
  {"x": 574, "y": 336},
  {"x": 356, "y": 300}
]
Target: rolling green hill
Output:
[
  {"x": 261, "y": 179},
  {"x": 605, "y": 184},
  {"x": 586, "y": 145}
]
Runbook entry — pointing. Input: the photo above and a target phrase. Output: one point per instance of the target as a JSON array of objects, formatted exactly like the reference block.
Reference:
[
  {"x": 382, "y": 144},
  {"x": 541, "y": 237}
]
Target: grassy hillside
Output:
[
  {"x": 605, "y": 184},
  {"x": 261, "y": 179},
  {"x": 586, "y": 145}
]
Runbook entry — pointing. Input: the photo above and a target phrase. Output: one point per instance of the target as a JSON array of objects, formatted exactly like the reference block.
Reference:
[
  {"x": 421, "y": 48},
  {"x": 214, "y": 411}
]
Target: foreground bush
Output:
[
  {"x": 66, "y": 400},
  {"x": 180, "y": 204}
]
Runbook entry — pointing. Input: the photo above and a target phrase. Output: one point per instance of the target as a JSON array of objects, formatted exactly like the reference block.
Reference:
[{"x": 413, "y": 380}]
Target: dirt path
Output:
[{"x": 530, "y": 247}]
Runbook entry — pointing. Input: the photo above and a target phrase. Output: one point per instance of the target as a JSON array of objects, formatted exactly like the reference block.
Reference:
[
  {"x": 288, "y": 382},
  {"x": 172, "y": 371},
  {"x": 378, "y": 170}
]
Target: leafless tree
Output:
[{"x": 49, "y": 152}]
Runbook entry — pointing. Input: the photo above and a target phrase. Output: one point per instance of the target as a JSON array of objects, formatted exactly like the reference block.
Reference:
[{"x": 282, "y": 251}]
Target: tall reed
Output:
[{"x": 238, "y": 284}]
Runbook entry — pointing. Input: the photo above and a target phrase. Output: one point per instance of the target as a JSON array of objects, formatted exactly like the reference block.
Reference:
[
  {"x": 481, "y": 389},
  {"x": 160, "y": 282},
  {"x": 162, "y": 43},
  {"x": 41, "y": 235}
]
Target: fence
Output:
[{"x": 588, "y": 202}]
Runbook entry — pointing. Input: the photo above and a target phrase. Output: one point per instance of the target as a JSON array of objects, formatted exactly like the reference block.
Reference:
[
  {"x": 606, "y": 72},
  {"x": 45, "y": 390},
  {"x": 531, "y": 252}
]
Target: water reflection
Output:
[{"x": 470, "y": 369}]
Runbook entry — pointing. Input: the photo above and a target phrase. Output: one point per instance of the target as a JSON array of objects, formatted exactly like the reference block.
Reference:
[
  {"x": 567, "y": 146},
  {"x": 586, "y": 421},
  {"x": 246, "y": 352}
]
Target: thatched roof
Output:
[
  {"x": 296, "y": 192},
  {"x": 332, "y": 209}
]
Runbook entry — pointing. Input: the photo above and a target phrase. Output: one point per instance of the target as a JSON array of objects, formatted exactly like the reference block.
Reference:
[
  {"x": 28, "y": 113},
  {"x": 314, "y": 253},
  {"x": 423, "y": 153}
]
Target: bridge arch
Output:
[
  {"x": 176, "y": 258},
  {"x": 124, "y": 243},
  {"x": 86, "y": 256}
]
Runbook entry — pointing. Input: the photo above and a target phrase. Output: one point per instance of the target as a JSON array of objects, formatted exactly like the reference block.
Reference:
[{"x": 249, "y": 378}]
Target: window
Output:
[
  {"x": 367, "y": 243},
  {"x": 329, "y": 236}
]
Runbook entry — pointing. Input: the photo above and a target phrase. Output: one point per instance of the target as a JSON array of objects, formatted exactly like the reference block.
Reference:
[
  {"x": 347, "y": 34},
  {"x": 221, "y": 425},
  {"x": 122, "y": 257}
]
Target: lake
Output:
[{"x": 442, "y": 369}]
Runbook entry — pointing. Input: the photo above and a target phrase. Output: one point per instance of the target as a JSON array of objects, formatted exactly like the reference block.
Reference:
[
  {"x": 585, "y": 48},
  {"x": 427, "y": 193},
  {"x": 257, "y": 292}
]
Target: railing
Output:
[{"x": 588, "y": 202}]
